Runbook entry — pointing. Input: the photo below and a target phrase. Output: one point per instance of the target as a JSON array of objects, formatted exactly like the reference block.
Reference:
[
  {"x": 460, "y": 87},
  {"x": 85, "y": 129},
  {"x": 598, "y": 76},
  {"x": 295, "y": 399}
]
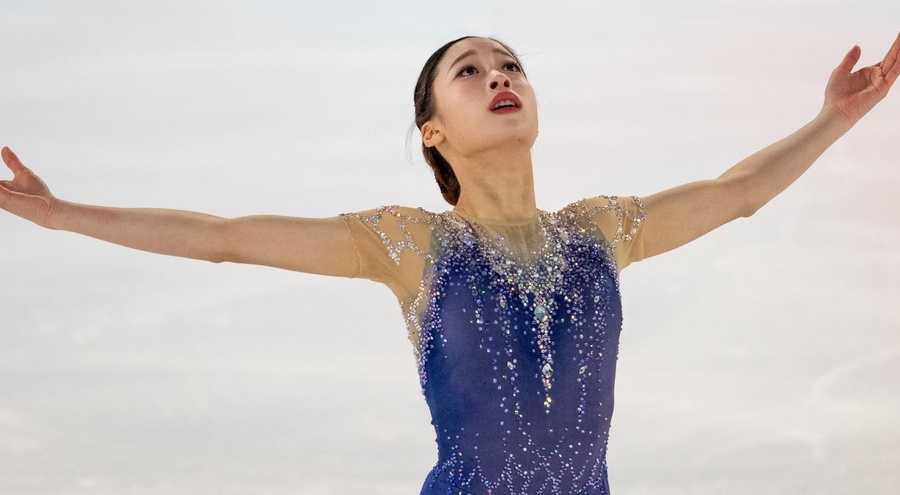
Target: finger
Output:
[
  {"x": 12, "y": 161},
  {"x": 890, "y": 65},
  {"x": 850, "y": 59}
]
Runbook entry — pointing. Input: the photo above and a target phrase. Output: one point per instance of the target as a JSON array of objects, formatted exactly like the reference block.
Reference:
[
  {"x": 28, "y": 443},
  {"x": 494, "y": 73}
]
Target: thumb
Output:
[
  {"x": 850, "y": 59},
  {"x": 11, "y": 160}
]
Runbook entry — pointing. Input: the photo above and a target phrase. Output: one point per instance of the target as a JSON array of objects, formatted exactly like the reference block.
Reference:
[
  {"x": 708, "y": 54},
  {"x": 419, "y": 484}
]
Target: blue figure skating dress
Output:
[{"x": 516, "y": 332}]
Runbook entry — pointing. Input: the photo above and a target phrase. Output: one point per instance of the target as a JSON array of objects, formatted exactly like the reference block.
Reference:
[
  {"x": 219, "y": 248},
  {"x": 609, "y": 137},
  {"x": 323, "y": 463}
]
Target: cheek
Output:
[
  {"x": 527, "y": 91},
  {"x": 455, "y": 112},
  {"x": 446, "y": 107}
]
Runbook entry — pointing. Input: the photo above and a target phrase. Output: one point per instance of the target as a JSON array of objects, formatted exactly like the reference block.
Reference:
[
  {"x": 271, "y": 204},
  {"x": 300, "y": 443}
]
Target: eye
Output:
[
  {"x": 512, "y": 67},
  {"x": 467, "y": 71}
]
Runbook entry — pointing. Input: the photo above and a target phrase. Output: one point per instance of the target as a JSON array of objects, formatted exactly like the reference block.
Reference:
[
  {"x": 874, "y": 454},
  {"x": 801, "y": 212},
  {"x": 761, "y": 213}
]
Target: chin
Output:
[{"x": 514, "y": 135}]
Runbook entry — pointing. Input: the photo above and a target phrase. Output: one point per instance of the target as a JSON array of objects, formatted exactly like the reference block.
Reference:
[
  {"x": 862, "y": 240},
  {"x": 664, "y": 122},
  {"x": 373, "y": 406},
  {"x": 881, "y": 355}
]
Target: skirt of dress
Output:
[{"x": 434, "y": 485}]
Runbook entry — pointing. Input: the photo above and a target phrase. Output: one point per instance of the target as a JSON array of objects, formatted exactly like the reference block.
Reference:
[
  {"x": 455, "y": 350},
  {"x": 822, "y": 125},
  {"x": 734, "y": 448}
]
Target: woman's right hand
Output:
[{"x": 26, "y": 195}]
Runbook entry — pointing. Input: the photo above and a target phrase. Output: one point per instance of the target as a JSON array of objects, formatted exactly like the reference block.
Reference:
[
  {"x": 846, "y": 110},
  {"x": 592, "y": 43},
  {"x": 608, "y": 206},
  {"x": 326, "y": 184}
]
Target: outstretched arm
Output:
[
  {"x": 321, "y": 246},
  {"x": 682, "y": 214}
]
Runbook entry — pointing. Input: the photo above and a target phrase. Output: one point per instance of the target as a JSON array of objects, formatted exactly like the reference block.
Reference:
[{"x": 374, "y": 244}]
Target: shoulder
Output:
[
  {"x": 618, "y": 220},
  {"x": 398, "y": 228},
  {"x": 393, "y": 214},
  {"x": 394, "y": 245}
]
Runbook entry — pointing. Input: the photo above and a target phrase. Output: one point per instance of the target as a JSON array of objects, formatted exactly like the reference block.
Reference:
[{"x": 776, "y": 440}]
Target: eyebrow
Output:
[{"x": 469, "y": 53}]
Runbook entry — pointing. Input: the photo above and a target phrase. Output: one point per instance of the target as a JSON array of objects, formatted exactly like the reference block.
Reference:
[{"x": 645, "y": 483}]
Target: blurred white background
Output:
[{"x": 761, "y": 359}]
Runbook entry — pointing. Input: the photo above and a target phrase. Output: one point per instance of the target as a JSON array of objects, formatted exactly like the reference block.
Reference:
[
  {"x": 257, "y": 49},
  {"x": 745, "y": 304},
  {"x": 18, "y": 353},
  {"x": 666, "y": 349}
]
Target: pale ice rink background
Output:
[{"x": 763, "y": 359}]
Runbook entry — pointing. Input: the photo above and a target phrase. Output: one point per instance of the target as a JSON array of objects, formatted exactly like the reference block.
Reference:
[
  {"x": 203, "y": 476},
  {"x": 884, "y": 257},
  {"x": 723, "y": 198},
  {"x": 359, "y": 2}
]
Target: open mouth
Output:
[{"x": 505, "y": 102}]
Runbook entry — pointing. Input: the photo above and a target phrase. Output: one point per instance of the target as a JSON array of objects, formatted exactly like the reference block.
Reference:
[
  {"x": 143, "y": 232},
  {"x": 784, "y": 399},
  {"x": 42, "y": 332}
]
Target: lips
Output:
[{"x": 505, "y": 102}]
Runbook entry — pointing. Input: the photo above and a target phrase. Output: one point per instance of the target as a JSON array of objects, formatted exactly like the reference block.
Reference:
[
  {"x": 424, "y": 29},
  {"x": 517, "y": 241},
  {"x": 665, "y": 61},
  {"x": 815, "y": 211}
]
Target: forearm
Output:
[
  {"x": 171, "y": 232},
  {"x": 765, "y": 174},
  {"x": 741, "y": 190}
]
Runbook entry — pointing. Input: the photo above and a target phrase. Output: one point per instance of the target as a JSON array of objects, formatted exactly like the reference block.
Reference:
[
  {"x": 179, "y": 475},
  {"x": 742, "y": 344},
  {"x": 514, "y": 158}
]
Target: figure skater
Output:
[{"x": 514, "y": 313}]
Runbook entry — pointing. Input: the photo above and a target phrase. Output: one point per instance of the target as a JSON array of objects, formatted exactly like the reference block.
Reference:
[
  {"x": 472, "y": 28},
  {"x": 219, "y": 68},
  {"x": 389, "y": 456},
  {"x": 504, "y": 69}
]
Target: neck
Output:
[{"x": 496, "y": 186}]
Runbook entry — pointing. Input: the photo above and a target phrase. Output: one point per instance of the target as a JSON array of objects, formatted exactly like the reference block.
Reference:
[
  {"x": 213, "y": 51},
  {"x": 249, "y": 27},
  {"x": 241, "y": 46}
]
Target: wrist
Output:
[
  {"x": 60, "y": 214},
  {"x": 835, "y": 120}
]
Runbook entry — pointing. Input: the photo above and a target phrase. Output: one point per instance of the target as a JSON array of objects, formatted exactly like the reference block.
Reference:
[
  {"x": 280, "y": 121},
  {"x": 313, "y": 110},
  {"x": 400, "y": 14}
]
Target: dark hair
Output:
[{"x": 425, "y": 106}]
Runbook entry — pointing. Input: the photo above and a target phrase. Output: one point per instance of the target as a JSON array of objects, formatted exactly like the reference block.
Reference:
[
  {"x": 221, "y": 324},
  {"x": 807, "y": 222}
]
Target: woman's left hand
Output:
[{"x": 855, "y": 93}]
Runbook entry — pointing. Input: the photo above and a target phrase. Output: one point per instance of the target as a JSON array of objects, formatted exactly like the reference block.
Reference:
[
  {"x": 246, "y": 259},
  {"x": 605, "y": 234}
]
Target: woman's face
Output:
[{"x": 483, "y": 101}]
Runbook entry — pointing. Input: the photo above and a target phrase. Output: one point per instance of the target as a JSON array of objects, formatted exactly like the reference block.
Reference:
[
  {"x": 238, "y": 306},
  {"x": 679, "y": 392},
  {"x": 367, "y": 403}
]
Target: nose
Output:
[{"x": 498, "y": 79}]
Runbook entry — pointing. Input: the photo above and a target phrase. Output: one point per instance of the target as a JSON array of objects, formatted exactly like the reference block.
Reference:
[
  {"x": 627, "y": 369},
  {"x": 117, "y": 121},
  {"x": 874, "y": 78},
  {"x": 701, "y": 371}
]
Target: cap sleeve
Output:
[
  {"x": 620, "y": 220},
  {"x": 393, "y": 245}
]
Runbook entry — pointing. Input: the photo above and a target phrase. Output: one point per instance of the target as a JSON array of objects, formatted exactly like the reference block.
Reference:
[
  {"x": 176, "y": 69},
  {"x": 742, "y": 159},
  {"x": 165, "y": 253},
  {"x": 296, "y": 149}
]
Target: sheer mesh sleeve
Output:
[
  {"x": 393, "y": 246},
  {"x": 620, "y": 220}
]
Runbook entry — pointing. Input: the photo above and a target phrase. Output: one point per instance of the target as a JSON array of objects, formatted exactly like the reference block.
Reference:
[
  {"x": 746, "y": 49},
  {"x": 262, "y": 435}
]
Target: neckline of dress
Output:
[{"x": 492, "y": 222}]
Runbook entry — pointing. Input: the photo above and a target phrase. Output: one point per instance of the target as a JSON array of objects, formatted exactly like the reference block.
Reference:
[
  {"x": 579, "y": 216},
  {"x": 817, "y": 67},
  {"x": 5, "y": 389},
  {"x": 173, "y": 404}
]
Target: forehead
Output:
[{"x": 473, "y": 46}]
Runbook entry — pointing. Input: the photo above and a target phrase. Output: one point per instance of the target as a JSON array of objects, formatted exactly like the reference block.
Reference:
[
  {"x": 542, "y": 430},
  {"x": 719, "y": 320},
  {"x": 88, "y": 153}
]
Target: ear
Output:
[{"x": 431, "y": 135}]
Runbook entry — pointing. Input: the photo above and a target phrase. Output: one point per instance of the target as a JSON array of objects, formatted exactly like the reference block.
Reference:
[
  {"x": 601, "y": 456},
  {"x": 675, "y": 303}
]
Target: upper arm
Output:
[
  {"x": 679, "y": 215},
  {"x": 390, "y": 245},
  {"x": 312, "y": 245}
]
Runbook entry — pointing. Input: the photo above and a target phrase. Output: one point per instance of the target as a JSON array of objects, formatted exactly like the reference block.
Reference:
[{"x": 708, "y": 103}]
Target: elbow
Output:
[
  {"x": 222, "y": 243},
  {"x": 752, "y": 199},
  {"x": 235, "y": 241},
  {"x": 748, "y": 195},
  {"x": 215, "y": 256},
  {"x": 216, "y": 259},
  {"x": 747, "y": 209}
]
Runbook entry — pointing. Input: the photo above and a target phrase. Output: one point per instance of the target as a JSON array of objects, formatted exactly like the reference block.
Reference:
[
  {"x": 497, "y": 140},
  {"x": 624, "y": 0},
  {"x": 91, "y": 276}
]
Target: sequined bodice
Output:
[
  {"x": 517, "y": 356},
  {"x": 518, "y": 362}
]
